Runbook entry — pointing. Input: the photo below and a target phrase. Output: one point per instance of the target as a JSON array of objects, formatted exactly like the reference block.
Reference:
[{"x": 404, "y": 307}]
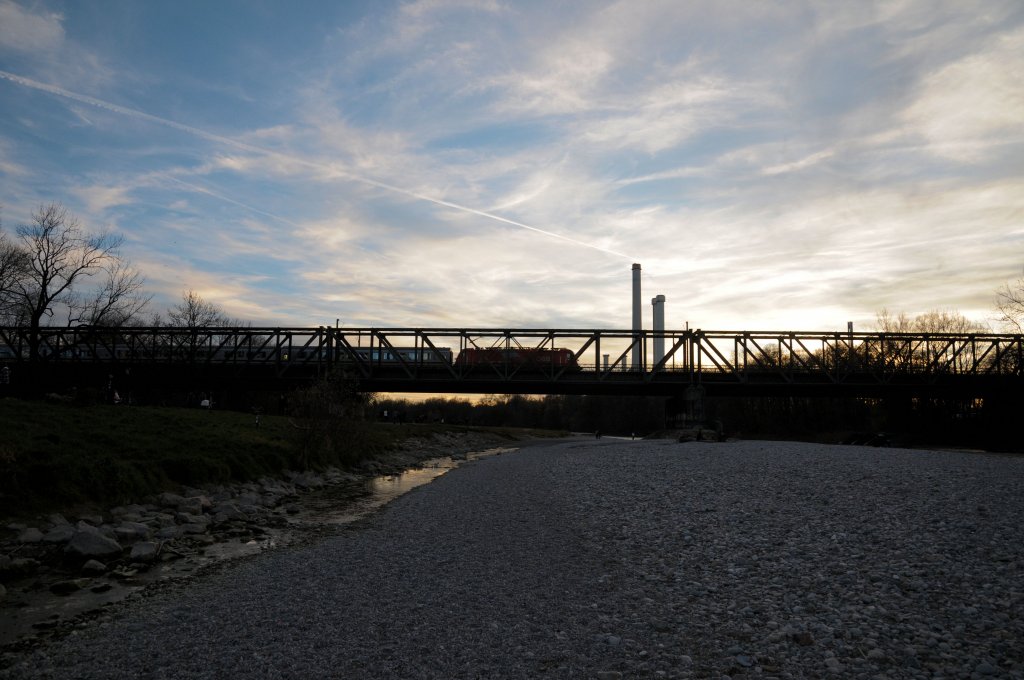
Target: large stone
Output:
[
  {"x": 17, "y": 567},
  {"x": 169, "y": 500},
  {"x": 30, "y": 535},
  {"x": 92, "y": 544},
  {"x": 169, "y": 532},
  {"x": 188, "y": 518},
  {"x": 59, "y": 534},
  {"x": 70, "y": 586},
  {"x": 94, "y": 567},
  {"x": 93, "y": 520},
  {"x": 195, "y": 505},
  {"x": 58, "y": 520},
  {"x": 132, "y": 531},
  {"x": 226, "y": 512},
  {"x": 145, "y": 551}
]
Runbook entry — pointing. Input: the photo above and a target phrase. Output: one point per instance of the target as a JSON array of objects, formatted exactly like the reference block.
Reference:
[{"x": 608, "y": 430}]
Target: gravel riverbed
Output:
[{"x": 609, "y": 559}]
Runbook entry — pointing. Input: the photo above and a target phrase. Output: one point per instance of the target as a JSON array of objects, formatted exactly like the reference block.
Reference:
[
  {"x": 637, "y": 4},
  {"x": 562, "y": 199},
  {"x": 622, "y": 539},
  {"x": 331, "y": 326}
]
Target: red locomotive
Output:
[{"x": 520, "y": 358}]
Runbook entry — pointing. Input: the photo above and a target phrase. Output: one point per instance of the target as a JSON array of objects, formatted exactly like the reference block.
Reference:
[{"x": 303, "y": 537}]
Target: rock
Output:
[
  {"x": 985, "y": 668},
  {"x": 132, "y": 509},
  {"x": 192, "y": 506},
  {"x": 308, "y": 480},
  {"x": 133, "y": 531},
  {"x": 188, "y": 518},
  {"x": 92, "y": 544},
  {"x": 93, "y": 520},
  {"x": 30, "y": 535},
  {"x": 18, "y": 567},
  {"x": 608, "y": 675},
  {"x": 227, "y": 512},
  {"x": 169, "y": 500},
  {"x": 876, "y": 654},
  {"x": 101, "y": 588},
  {"x": 192, "y": 528},
  {"x": 94, "y": 567},
  {"x": 833, "y": 665},
  {"x": 70, "y": 586},
  {"x": 169, "y": 532},
  {"x": 144, "y": 551},
  {"x": 803, "y": 639},
  {"x": 57, "y": 520},
  {"x": 3, "y": 591},
  {"x": 59, "y": 534}
]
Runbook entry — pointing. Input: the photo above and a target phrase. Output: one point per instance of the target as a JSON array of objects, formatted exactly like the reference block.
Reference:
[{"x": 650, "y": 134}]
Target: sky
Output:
[{"x": 499, "y": 163}]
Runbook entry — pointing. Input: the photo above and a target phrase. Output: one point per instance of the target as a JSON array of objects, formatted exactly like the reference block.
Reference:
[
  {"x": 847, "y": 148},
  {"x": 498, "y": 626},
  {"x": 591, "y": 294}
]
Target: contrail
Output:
[{"x": 227, "y": 141}]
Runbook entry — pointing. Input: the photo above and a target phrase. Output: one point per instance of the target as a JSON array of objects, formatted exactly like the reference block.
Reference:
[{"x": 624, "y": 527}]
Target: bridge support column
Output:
[{"x": 685, "y": 409}]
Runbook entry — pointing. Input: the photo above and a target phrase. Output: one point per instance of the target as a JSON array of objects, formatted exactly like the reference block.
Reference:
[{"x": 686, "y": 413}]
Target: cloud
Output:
[
  {"x": 970, "y": 108},
  {"x": 23, "y": 31}
]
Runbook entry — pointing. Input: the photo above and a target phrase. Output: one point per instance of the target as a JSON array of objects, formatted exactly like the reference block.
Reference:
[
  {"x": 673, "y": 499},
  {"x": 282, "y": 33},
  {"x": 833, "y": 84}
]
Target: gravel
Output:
[{"x": 617, "y": 559}]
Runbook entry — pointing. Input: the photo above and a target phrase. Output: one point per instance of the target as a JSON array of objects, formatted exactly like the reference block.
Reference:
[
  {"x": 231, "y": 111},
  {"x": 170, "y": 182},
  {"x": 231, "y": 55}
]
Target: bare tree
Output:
[
  {"x": 117, "y": 301},
  {"x": 13, "y": 265},
  {"x": 935, "y": 321},
  {"x": 1010, "y": 304},
  {"x": 194, "y": 311},
  {"x": 59, "y": 254}
]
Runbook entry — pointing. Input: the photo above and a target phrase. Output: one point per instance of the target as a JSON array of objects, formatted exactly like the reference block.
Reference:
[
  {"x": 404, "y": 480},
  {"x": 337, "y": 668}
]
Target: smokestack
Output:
[
  {"x": 659, "y": 328},
  {"x": 638, "y": 323}
]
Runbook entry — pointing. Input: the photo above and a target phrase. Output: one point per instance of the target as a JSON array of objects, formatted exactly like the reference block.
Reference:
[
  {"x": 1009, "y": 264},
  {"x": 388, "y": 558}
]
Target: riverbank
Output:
[
  {"x": 617, "y": 559},
  {"x": 60, "y": 571}
]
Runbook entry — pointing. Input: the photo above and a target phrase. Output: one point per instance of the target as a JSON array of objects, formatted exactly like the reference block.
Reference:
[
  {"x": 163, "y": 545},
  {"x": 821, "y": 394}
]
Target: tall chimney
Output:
[
  {"x": 638, "y": 323},
  {"x": 659, "y": 328}
]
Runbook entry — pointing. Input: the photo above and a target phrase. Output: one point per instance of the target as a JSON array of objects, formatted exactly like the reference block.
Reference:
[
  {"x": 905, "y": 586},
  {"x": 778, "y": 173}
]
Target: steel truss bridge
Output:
[{"x": 678, "y": 363}]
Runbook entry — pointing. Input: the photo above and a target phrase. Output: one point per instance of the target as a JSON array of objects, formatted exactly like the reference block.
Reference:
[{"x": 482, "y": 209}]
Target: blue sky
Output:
[{"x": 784, "y": 165}]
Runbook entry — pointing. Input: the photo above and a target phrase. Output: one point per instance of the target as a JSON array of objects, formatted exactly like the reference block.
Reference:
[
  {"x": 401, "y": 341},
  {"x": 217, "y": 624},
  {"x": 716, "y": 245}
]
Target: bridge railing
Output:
[{"x": 548, "y": 354}]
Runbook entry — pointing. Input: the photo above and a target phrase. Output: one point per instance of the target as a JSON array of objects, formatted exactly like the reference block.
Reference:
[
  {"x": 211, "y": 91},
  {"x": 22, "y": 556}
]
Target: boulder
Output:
[
  {"x": 70, "y": 586},
  {"x": 169, "y": 500},
  {"x": 93, "y": 520},
  {"x": 132, "y": 531},
  {"x": 17, "y": 567},
  {"x": 144, "y": 551},
  {"x": 30, "y": 535},
  {"x": 226, "y": 512},
  {"x": 131, "y": 513},
  {"x": 59, "y": 534},
  {"x": 3, "y": 591},
  {"x": 169, "y": 532},
  {"x": 195, "y": 505},
  {"x": 187, "y": 518},
  {"x": 164, "y": 519},
  {"x": 57, "y": 520},
  {"x": 94, "y": 567},
  {"x": 92, "y": 544}
]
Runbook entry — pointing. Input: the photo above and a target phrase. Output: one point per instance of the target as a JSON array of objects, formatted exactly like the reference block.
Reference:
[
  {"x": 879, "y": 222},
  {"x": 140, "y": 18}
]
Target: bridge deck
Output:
[{"x": 537, "y": 361}]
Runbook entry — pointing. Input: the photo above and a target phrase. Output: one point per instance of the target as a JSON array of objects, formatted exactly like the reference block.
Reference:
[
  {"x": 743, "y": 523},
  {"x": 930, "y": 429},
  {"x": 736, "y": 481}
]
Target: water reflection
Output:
[{"x": 346, "y": 503}]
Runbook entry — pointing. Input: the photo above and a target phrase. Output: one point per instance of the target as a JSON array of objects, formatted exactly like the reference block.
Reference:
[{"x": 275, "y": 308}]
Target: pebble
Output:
[{"x": 860, "y": 563}]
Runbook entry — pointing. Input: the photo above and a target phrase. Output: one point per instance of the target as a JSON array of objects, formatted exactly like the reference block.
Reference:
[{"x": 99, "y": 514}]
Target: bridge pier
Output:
[{"x": 685, "y": 409}]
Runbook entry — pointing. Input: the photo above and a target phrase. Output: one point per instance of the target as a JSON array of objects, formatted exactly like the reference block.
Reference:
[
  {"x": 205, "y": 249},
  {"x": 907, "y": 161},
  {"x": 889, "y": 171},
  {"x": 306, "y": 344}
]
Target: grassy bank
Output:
[{"x": 59, "y": 455}]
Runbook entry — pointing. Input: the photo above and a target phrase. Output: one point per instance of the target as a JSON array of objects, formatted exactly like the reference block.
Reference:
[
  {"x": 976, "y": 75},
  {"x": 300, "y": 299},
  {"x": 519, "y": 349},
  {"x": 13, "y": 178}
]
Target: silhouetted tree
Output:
[
  {"x": 13, "y": 265},
  {"x": 58, "y": 256},
  {"x": 1010, "y": 303},
  {"x": 194, "y": 311}
]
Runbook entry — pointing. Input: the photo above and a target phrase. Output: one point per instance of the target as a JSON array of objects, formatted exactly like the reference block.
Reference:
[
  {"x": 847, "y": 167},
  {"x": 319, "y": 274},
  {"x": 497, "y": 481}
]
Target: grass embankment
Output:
[{"x": 58, "y": 455}]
